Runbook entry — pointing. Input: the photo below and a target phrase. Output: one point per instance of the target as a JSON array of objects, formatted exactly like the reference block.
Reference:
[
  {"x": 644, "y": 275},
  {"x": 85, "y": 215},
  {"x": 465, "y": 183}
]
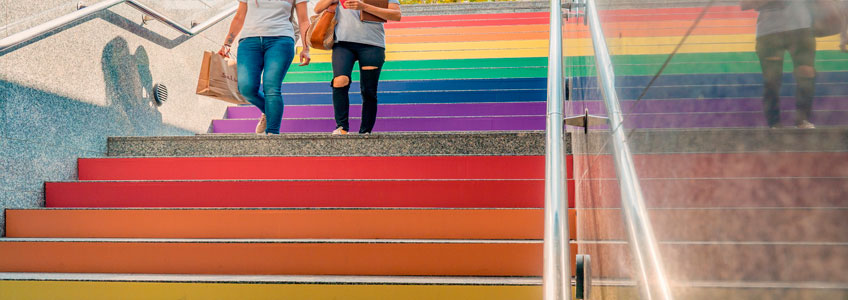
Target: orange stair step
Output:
[
  {"x": 279, "y": 223},
  {"x": 274, "y": 257}
]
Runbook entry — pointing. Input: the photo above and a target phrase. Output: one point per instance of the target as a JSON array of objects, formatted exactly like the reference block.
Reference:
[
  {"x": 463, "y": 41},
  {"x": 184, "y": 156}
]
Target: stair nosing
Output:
[
  {"x": 270, "y": 279},
  {"x": 266, "y": 241}
]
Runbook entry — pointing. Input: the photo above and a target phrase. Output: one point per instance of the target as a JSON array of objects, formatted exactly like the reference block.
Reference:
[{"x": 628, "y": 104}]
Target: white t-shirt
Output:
[
  {"x": 268, "y": 18},
  {"x": 784, "y": 15}
]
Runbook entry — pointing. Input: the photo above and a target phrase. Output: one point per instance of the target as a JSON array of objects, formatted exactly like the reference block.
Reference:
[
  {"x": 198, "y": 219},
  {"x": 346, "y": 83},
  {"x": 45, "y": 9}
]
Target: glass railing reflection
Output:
[{"x": 739, "y": 145}]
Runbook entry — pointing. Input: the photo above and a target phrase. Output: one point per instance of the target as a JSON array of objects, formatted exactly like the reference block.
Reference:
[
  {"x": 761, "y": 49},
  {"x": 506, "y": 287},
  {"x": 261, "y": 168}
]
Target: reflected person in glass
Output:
[{"x": 785, "y": 26}]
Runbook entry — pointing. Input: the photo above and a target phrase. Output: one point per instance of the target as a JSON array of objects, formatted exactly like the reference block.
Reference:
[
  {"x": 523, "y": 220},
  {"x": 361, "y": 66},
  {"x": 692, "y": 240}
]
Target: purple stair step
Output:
[
  {"x": 403, "y": 110},
  {"x": 538, "y": 108},
  {"x": 393, "y": 124},
  {"x": 681, "y": 120},
  {"x": 726, "y": 120},
  {"x": 707, "y": 105}
]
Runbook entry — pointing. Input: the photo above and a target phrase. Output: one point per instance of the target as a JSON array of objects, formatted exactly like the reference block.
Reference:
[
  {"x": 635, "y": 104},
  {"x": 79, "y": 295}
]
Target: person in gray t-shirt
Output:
[
  {"x": 785, "y": 25},
  {"x": 365, "y": 42}
]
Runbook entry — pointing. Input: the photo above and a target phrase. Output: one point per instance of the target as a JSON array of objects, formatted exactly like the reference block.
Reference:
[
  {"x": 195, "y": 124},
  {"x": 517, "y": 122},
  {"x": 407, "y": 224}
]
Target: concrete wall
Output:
[{"x": 64, "y": 93}]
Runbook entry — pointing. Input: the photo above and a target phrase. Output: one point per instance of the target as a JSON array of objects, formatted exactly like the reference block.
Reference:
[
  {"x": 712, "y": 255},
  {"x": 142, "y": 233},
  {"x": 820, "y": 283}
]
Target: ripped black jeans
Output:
[
  {"x": 371, "y": 59},
  {"x": 801, "y": 45}
]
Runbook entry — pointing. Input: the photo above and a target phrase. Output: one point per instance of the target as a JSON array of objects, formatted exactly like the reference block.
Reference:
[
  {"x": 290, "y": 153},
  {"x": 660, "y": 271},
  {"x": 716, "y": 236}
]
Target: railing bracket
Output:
[
  {"x": 81, "y": 5},
  {"x": 145, "y": 19},
  {"x": 585, "y": 120},
  {"x": 583, "y": 276}
]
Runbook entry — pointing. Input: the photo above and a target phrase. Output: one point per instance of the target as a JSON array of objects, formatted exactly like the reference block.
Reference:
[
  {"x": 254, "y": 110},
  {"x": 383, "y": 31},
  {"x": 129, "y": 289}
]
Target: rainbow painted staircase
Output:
[
  {"x": 446, "y": 214},
  {"x": 444, "y": 200}
]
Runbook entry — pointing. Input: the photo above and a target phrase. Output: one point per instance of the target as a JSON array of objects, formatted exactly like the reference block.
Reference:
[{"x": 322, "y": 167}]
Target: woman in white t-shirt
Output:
[{"x": 265, "y": 52}]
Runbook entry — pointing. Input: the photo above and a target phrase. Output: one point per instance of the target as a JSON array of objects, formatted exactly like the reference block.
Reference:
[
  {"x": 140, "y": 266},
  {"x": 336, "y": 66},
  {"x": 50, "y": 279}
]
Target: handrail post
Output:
[
  {"x": 557, "y": 261},
  {"x": 646, "y": 256}
]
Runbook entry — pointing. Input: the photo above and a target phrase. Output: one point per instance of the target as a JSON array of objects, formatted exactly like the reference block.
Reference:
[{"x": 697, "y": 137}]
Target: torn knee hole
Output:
[
  {"x": 341, "y": 81},
  {"x": 368, "y": 68},
  {"x": 806, "y": 71}
]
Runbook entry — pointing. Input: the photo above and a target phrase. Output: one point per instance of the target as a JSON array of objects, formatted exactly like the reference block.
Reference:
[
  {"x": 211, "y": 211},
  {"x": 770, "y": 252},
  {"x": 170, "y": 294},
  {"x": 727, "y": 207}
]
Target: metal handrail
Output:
[
  {"x": 557, "y": 265},
  {"x": 643, "y": 243},
  {"x": 34, "y": 32}
]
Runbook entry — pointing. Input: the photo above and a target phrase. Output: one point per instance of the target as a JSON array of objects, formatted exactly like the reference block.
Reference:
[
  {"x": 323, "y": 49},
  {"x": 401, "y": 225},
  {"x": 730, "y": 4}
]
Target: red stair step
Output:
[
  {"x": 329, "y": 193},
  {"x": 362, "y": 167}
]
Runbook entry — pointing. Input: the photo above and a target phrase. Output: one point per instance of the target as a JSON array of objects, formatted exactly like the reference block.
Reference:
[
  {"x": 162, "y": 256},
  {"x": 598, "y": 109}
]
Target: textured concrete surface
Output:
[
  {"x": 63, "y": 93},
  {"x": 21, "y": 15},
  {"x": 4, "y": 8},
  {"x": 381, "y": 144}
]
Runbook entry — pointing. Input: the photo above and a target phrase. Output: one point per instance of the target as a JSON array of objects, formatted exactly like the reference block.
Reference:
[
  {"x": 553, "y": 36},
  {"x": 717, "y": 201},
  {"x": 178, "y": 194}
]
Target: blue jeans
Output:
[{"x": 274, "y": 55}]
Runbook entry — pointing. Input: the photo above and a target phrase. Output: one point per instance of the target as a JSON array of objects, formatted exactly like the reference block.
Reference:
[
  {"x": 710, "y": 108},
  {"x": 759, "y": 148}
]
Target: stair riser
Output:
[
  {"x": 450, "y": 194},
  {"x": 39, "y": 290},
  {"x": 721, "y": 262},
  {"x": 537, "y": 108},
  {"x": 732, "y": 262},
  {"x": 542, "y": 18},
  {"x": 643, "y": 121},
  {"x": 712, "y": 193},
  {"x": 724, "y": 165},
  {"x": 402, "y": 167},
  {"x": 280, "y": 224},
  {"x": 392, "y": 125},
  {"x": 424, "y": 86},
  {"x": 402, "y": 110},
  {"x": 479, "y": 96},
  {"x": 731, "y": 225},
  {"x": 425, "y": 259}
]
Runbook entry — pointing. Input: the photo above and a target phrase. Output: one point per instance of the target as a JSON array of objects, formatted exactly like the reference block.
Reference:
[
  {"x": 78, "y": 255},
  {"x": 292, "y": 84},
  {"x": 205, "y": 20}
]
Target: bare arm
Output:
[
  {"x": 323, "y": 4},
  {"x": 392, "y": 13},
  {"x": 235, "y": 28},
  {"x": 303, "y": 23}
]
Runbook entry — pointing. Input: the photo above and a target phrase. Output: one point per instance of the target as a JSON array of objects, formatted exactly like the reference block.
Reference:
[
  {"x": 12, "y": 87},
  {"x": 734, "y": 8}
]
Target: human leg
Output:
[
  {"x": 770, "y": 50},
  {"x": 803, "y": 52},
  {"x": 371, "y": 60},
  {"x": 250, "y": 60},
  {"x": 343, "y": 59},
  {"x": 279, "y": 52}
]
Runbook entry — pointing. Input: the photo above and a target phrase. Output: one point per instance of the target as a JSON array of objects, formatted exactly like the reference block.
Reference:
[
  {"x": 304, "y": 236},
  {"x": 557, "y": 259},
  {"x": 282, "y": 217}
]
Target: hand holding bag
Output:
[
  {"x": 219, "y": 79},
  {"x": 321, "y": 32}
]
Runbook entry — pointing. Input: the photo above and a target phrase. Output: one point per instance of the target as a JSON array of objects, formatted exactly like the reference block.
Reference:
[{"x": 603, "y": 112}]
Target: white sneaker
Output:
[
  {"x": 260, "y": 128},
  {"x": 339, "y": 131},
  {"x": 806, "y": 125}
]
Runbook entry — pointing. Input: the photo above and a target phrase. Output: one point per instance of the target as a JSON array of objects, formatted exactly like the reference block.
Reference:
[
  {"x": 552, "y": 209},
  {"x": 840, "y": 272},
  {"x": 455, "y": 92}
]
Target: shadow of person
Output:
[{"x": 129, "y": 87}]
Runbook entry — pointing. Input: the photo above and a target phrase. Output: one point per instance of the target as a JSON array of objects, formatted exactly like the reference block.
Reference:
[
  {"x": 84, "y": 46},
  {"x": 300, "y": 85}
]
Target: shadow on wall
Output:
[
  {"x": 129, "y": 81},
  {"x": 42, "y": 134}
]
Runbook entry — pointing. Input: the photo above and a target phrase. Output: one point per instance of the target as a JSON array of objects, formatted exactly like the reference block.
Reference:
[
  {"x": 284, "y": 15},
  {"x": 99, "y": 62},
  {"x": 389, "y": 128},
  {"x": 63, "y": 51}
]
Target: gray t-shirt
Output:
[
  {"x": 268, "y": 18},
  {"x": 784, "y": 15},
  {"x": 351, "y": 29}
]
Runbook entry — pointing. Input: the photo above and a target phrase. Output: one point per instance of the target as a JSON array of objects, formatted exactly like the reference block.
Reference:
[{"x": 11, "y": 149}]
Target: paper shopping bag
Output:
[{"x": 219, "y": 79}]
